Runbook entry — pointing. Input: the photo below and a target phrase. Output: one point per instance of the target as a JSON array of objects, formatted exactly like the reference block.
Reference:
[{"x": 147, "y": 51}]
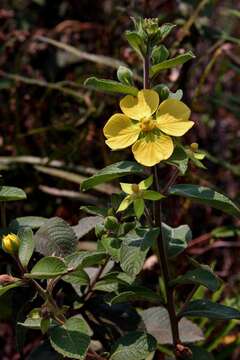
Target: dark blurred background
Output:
[{"x": 51, "y": 126}]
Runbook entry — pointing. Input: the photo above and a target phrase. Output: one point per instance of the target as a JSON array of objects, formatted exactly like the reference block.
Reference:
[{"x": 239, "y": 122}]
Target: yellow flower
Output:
[
  {"x": 10, "y": 243},
  {"x": 146, "y": 126}
]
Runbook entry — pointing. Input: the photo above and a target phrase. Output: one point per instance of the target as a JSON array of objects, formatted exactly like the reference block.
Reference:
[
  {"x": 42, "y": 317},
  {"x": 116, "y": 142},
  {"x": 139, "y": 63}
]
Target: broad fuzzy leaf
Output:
[
  {"x": 56, "y": 237},
  {"x": 47, "y": 268},
  {"x": 10, "y": 193},
  {"x": 133, "y": 346}
]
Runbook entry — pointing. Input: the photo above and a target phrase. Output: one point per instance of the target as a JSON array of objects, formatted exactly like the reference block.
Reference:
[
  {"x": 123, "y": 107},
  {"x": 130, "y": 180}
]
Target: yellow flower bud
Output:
[
  {"x": 194, "y": 146},
  {"x": 10, "y": 243}
]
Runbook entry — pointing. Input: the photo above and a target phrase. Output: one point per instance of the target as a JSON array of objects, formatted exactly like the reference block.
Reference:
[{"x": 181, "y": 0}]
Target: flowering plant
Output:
[{"x": 82, "y": 301}]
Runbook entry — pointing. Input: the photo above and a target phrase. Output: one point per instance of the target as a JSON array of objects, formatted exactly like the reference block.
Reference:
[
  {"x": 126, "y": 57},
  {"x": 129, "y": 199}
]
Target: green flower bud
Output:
[
  {"x": 99, "y": 230},
  {"x": 10, "y": 243},
  {"x": 111, "y": 223}
]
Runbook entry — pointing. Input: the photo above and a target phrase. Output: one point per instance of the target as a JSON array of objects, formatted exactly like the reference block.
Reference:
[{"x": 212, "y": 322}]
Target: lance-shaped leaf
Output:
[
  {"x": 207, "y": 196},
  {"x": 201, "y": 276},
  {"x": 71, "y": 339},
  {"x": 47, "y": 268},
  {"x": 137, "y": 293},
  {"x": 208, "y": 309},
  {"x": 10, "y": 193},
  {"x": 27, "y": 245},
  {"x": 110, "y": 86},
  {"x": 134, "y": 249},
  {"x": 167, "y": 64},
  {"x": 176, "y": 239},
  {"x": 5, "y": 288},
  {"x": 134, "y": 346},
  {"x": 112, "y": 172},
  {"x": 155, "y": 321}
]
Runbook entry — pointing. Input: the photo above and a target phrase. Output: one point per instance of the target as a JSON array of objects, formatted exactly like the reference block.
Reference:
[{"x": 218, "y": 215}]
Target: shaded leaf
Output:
[
  {"x": 27, "y": 245},
  {"x": 81, "y": 259},
  {"x": 156, "y": 322},
  {"x": 55, "y": 237},
  {"x": 176, "y": 239},
  {"x": 10, "y": 193},
  {"x": 86, "y": 224},
  {"x": 112, "y": 172},
  {"x": 179, "y": 159},
  {"x": 137, "y": 293},
  {"x": 34, "y": 222},
  {"x": 133, "y": 346},
  {"x": 5, "y": 288},
  {"x": 47, "y": 268},
  {"x": 210, "y": 310},
  {"x": 225, "y": 232},
  {"x": 207, "y": 196},
  {"x": 201, "y": 276},
  {"x": 200, "y": 353},
  {"x": 71, "y": 339},
  {"x": 78, "y": 277},
  {"x": 135, "y": 246},
  {"x": 44, "y": 351}
]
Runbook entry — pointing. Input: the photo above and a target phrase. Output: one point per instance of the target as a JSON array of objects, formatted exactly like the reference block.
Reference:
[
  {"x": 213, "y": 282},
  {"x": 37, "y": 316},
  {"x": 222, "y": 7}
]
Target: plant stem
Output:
[
  {"x": 3, "y": 214},
  {"x": 165, "y": 268},
  {"x": 161, "y": 250},
  {"x": 146, "y": 66}
]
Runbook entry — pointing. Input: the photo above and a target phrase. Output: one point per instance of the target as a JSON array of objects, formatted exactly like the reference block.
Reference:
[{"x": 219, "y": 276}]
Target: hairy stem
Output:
[{"x": 165, "y": 268}]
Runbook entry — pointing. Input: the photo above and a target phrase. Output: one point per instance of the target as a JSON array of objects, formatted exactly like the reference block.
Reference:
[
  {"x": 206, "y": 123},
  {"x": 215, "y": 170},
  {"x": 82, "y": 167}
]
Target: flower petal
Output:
[
  {"x": 173, "y": 117},
  {"x": 120, "y": 132},
  {"x": 150, "y": 151},
  {"x": 138, "y": 206},
  {"x": 127, "y": 188},
  {"x": 144, "y": 105},
  {"x": 125, "y": 203}
]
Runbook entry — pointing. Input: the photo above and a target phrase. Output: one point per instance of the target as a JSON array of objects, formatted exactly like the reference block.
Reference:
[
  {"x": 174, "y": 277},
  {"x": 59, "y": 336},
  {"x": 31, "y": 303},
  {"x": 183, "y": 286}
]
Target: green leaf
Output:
[
  {"x": 207, "y": 196},
  {"x": 95, "y": 210},
  {"x": 136, "y": 293},
  {"x": 47, "y": 268},
  {"x": 135, "y": 42},
  {"x": 168, "y": 64},
  {"x": 135, "y": 246},
  {"x": 85, "y": 225},
  {"x": 138, "y": 205},
  {"x": 112, "y": 172},
  {"x": 177, "y": 95},
  {"x": 179, "y": 159},
  {"x": 78, "y": 277},
  {"x": 56, "y": 237},
  {"x": 200, "y": 353},
  {"x": 5, "y": 288},
  {"x": 225, "y": 232},
  {"x": 112, "y": 245},
  {"x": 33, "y": 222},
  {"x": 44, "y": 351},
  {"x": 27, "y": 246},
  {"x": 176, "y": 239},
  {"x": 208, "y": 309},
  {"x": 10, "y": 193},
  {"x": 82, "y": 259},
  {"x": 165, "y": 30},
  {"x": 125, "y": 75},
  {"x": 159, "y": 54},
  {"x": 152, "y": 195},
  {"x": 110, "y": 86},
  {"x": 200, "y": 276},
  {"x": 155, "y": 321},
  {"x": 71, "y": 339},
  {"x": 133, "y": 346}
]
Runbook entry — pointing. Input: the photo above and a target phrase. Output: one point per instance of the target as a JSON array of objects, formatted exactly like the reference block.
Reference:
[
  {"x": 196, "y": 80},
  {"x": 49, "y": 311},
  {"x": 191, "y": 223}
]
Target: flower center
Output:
[
  {"x": 135, "y": 188},
  {"x": 147, "y": 124}
]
